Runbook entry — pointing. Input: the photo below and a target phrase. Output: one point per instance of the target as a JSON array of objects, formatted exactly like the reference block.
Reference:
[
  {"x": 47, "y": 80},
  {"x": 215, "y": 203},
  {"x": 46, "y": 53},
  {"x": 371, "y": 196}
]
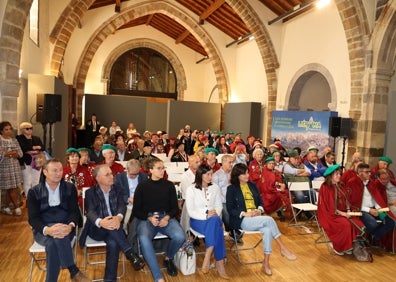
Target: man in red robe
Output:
[
  {"x": 383, "y": 163},
  {"x": 366, "y": 197}
]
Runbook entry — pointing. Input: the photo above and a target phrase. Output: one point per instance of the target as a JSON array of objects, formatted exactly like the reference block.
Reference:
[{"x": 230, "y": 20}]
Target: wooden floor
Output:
[{"x": 314, "y": 262}]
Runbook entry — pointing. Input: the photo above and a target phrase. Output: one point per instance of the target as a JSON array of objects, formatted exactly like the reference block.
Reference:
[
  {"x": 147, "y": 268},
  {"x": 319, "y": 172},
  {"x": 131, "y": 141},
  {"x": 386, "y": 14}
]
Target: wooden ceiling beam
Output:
[
  {"x": 149, "y": 19},
  {"x": 117, "y": 8},
  {"x": 182, "y": 36},
  {"x": 210, "y": 10}
]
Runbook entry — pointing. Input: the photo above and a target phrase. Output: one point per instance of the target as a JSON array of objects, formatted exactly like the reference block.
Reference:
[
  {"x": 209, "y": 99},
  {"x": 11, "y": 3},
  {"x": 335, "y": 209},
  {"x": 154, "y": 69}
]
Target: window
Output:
[
  {"x": 34, "y": 22},
  {"x": 143, "y": 72}
]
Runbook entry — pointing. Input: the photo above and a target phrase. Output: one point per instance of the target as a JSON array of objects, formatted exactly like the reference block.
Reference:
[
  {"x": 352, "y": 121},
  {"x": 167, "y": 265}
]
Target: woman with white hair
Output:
[{"x": 32, "y": 149}]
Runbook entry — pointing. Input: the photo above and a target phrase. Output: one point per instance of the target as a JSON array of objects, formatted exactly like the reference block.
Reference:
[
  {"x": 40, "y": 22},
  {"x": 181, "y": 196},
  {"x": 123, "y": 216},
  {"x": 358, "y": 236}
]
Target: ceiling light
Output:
[{"x": 322, "y": 3}]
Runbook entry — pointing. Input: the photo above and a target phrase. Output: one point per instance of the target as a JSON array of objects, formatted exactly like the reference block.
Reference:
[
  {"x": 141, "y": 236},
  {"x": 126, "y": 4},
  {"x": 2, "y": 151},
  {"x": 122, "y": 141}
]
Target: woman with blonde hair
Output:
[{"x": 33, "y": 157}]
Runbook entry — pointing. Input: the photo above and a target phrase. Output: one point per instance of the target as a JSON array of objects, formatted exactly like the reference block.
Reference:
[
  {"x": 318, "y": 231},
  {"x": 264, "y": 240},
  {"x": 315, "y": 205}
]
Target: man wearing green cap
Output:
[{"x": 383, "y": 163}]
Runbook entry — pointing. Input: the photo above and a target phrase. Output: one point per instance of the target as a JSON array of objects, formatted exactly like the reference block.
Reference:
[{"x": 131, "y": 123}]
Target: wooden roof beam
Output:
[
  {"x": 117, "y": 7},
  {"x": 149, "y": 19},
  {"x": 210, "y": 10},
  {"x": 182, "y": 36}
]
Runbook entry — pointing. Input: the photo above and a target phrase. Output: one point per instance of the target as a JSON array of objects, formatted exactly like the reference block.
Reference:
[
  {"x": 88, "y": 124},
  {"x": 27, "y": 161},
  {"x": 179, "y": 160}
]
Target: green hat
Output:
[
  {"x": 208, "y": 150},
  {"x": 269, "y": 159},
  {"x": 84, "y": 149},
  {"x": 331, "y": 169},
  {"x": 293, "y": 154},
  {"x": 72, "y": 150},
  {"x": 220, "y": 133},
  {"x": 313, "y": 148},
  {"x": 274, "y": 151},
  {"x": 109, "y": 147},
  {"x": 386, "y": 159}
]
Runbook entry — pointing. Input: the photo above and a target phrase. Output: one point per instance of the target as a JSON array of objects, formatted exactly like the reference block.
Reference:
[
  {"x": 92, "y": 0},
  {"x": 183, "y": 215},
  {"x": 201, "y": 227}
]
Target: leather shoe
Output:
[
  {"x": 80, "y": 277},
  {"x": 136, "y": 261},
  {"x": 170, "y": 267},
  {"x": 288, "y": 254}
]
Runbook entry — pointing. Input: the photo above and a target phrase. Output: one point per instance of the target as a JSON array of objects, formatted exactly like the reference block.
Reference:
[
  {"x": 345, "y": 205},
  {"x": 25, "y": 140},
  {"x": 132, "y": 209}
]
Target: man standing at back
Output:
[{"x": 53, "y": 214}]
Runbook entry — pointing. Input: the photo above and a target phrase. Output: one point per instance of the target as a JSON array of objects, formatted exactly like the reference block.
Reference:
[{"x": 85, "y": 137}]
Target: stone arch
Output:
[
  {"x": 152, "y": 44},
  {"x": 357, "y": 32},
  {"x": 301, "y": 77},
  {"x": 12, "y": 30},
  {"x": 110, "y": 26},
  {"x": 267, "y": 51},
  {"x": 381, "y": 67}
]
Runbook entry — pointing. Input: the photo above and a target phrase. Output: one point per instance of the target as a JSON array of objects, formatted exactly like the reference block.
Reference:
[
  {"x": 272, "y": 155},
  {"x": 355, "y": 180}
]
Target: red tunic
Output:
[
  {"x": 116, "y": 168},
  {"x": 265, "y": 180},
  {"x": 355, "y": 190},
  {"x": 341, "y": 230},
  {"x": 374, "y": 173},
  {"x": 348, "y": 174},
  {"x": 82, "y": 178}
]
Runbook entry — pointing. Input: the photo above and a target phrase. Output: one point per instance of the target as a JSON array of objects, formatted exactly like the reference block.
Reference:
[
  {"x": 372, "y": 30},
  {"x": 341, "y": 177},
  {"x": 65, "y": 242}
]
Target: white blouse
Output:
[{"x": 198, "y": 202}]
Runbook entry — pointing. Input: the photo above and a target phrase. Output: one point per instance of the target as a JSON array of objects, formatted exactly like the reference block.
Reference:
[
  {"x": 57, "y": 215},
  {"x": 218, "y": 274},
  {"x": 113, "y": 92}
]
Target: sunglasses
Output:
[{"x": 29, "y": 128}]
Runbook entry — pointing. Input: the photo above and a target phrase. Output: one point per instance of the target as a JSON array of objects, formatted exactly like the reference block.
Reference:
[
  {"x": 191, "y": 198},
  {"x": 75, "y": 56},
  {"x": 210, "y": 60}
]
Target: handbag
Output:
[{"x": 185, "y": 259}]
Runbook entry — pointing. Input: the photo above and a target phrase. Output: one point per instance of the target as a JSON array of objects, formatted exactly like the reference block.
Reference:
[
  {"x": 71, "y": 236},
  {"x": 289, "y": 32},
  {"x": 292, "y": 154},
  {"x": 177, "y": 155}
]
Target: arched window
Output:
[{"x": 143, "y": 72}]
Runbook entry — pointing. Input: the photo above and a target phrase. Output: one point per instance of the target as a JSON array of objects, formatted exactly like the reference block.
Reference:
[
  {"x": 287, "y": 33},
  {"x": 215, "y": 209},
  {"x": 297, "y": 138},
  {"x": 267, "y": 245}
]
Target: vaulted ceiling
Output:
[{"x": 216, "y": 12}]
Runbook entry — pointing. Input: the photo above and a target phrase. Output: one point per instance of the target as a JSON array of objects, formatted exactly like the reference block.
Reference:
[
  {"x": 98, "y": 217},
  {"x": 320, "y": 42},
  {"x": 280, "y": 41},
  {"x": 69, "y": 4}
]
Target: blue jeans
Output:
[
  {"x": 212, "y": 228},
  {"x": 377, "y": 230},
  {"x": 115, "y": 241},
  {"x": 146, "y": 232},
  {"x": 266, "y": 225},
  {"x": 59, "y": 254}
]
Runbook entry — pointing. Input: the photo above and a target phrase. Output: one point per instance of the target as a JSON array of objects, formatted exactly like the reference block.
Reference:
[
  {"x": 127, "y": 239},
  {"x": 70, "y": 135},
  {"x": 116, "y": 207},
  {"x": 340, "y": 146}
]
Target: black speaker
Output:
[
  {"x": 334, "y": 126},
  {"x": 346, "y": 127},
  {"x": 340, "y": 127},
  {"x": 48, "y": 108}
]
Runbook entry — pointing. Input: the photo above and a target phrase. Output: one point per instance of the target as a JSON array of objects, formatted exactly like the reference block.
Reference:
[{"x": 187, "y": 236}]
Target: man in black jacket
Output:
[
  {"x": 53, "y": 215},
  {"x": 105, "y": 210}
]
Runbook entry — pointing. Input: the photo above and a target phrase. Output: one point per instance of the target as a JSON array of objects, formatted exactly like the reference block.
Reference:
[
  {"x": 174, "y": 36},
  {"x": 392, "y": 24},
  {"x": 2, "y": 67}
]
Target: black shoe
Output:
[
  {"x": 136, "y": 261},
  {"x": 170, "y": 267}
]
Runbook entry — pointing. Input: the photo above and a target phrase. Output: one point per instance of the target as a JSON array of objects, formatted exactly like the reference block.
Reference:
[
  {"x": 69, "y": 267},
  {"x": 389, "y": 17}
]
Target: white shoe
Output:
[
  {"x": 18, "y": 211},
  {"x": 7, "y": 211}
]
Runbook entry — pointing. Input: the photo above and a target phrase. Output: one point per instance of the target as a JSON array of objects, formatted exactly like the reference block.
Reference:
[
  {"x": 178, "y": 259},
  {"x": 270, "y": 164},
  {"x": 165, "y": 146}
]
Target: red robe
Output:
[
  {"x": 265, "y": 180},
  {"x": 116, "y": 168},
  {"x": 355, "y": 190},
  {"x": 340, "y": 230},
  {"x": 82, "y": 179},
  {"x": 374, "y": 173},
  {"x": 348, "y": 174}
]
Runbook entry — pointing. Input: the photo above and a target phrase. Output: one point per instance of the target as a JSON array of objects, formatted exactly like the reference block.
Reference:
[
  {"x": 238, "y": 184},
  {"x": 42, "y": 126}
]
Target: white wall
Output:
[
  {"x": 316, "y": 36},
  {"x": 36, "y": 59}
]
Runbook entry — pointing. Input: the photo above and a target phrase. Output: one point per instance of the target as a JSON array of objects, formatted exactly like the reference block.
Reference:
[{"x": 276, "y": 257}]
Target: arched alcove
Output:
[{"x": 312, "y": 88}]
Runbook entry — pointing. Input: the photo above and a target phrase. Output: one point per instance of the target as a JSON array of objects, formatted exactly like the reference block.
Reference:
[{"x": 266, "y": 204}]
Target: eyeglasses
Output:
[
  {"x": 29, "y": 128},
  {"x": 160, "y": 168}
]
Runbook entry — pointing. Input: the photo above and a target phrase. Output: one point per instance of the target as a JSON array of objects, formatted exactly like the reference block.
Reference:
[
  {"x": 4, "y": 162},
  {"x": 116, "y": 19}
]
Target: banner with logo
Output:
[{"x": 302, "y": 129}]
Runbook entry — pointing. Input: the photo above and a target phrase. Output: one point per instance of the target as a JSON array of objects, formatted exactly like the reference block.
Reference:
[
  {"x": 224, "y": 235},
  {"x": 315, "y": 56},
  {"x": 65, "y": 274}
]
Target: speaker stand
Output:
[
  {"x": 50, "y": 139},
  {"x": 44, "y": 135},
  {"x": 343, "y": 151}
]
